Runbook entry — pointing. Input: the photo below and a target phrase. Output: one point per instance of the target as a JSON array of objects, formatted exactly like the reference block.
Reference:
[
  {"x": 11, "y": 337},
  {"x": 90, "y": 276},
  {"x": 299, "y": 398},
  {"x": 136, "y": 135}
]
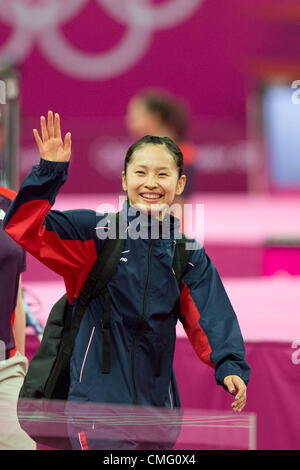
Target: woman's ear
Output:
[
  {"x": 124, "y": 184},
  {"x": 180, "y": 185}
]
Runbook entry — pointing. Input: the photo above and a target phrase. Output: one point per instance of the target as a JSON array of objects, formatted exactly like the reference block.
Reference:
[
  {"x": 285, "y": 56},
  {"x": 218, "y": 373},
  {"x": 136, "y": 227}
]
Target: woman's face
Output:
[{"x": 151, "y": 179}]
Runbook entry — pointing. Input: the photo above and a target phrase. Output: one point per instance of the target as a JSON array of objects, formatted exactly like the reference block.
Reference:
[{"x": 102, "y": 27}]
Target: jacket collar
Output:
[{"x": 148, "y": 225}]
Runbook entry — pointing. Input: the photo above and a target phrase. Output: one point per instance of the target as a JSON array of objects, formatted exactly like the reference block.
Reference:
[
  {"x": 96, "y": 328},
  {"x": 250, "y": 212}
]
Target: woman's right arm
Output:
[{"x": 63, "y": 241}]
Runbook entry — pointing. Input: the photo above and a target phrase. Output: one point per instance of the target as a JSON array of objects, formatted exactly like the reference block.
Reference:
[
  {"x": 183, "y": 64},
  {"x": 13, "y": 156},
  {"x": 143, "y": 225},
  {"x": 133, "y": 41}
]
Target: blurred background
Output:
[{"x": 222, "y": 77}]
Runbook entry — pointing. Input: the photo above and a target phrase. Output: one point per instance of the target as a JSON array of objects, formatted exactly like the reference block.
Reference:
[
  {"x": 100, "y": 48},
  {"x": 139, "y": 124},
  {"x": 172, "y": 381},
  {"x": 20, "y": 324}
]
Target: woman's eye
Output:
[
  {"x": 163, "y": 174},
  {"x": 139, "y": 172}
]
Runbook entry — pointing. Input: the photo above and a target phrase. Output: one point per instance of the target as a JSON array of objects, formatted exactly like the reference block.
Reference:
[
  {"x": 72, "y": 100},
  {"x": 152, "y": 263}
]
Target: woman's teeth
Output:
[{"x": 150, "y": 196}]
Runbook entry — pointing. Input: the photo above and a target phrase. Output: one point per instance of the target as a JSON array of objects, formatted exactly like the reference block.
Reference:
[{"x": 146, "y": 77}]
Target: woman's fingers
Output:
[
  {"x": 239, "y": 406},
  {"x": 51, "y": 128},
  {"x": 229, "y": 384},
  {"x": 50, "y": 125},
  {"x": 50, "y": 143},
  {"x": 38, "y": 140},
  {"x": 57, "y": 131},
  {"x": 237, "y": 387},
  {"x": 68, "y": 143},
  {"x": 240, "y": 402},
  {"x": 44, "y": 129}
]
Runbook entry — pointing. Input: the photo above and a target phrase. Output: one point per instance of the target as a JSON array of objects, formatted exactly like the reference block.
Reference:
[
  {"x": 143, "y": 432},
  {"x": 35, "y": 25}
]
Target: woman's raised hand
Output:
[{"x": 50, "y": 145}]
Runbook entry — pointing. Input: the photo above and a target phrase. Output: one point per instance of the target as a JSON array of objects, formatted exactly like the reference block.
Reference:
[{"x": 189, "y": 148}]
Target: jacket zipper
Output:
[
  {"x": 86, "y": 354},
  {"x": 142, "y": 320},
  {"x": 171, "y": 395}
]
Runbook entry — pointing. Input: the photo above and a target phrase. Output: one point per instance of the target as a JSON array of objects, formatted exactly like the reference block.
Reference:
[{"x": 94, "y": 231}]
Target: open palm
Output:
[{"x": 50, "y": 143}]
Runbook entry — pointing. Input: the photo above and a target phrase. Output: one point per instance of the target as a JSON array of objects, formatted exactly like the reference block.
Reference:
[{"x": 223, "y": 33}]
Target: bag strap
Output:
[
  {"x": 180, "y": 261},
  {"x": 96, "y": 281},
  {"x": 111, "y": 254},
  {"x": 105, "y": 265},
  {"x": 106, "y": 334},
  {"x": 181, "y": 258}
]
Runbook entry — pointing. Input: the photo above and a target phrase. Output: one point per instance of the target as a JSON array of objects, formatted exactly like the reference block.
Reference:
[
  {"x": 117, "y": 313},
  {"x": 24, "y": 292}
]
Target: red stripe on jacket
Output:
[
  {"x": 72, "y": 259},
  {"x": 192, "y": 327},
  {"x": 83, "y": 441},
  {"x": 9, "y": 193}
]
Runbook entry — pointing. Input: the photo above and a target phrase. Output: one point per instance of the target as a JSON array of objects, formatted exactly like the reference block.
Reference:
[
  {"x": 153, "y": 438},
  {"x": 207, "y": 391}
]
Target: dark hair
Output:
[
  {"x": 172, "y": 111},
  {"x": 157, "y": 140}
]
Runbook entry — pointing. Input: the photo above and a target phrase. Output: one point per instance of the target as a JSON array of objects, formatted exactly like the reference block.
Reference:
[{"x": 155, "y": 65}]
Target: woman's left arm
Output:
[{"x": 212, "y": 326}]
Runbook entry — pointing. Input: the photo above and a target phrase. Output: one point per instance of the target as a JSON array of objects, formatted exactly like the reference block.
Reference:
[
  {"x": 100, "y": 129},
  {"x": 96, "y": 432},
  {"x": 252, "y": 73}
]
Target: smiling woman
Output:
[
  {"x": 153, "y": 175},
  {"x": 131, "y": 327}
]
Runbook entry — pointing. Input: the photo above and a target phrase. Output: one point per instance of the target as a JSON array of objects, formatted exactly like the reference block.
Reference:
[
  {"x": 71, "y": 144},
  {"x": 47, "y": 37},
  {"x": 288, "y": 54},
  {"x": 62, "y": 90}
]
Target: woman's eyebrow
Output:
[{"x": 160, "y": 168}]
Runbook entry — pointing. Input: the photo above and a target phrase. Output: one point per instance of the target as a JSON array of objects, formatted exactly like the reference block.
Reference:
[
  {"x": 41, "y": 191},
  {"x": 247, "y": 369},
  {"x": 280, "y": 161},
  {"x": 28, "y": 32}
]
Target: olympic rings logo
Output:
[{"x": 38, "y": 21}]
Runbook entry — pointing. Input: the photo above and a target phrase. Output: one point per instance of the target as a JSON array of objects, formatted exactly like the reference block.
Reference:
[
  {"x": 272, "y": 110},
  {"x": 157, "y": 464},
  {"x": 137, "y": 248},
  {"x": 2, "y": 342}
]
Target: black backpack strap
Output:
[
  {"x": 180, "y": 261},
  {"x": 106, "y": 334},
  {"x": 95, "y": 284},
  {"x": 181, "y": 258}
]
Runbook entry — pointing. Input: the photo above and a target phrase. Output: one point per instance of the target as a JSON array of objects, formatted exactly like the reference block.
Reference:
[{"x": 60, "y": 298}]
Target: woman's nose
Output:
[{"x": 151, "y": 181}]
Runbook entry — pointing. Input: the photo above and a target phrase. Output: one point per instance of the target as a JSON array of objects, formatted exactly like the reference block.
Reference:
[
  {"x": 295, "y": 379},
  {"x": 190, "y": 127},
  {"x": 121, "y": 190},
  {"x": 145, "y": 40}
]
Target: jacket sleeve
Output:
[
  {"x": 210, "y": 321},
  {"x": 63, "y": 241}
]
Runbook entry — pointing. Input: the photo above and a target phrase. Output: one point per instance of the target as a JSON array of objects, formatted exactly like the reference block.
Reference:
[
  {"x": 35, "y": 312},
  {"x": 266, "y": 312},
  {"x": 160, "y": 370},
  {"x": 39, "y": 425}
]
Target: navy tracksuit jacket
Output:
[{"x": 144, "y": 299}]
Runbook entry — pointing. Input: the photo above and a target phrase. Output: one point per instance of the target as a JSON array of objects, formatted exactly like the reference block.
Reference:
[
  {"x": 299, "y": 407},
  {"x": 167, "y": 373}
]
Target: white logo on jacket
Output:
[{"x": 123, "y": 258}]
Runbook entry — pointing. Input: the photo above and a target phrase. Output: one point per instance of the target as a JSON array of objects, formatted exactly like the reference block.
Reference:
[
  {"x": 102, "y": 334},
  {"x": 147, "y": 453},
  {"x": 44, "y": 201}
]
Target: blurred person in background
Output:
[
  {"x": 157, "y": 112},
  {"x": 13, "y": 362}
]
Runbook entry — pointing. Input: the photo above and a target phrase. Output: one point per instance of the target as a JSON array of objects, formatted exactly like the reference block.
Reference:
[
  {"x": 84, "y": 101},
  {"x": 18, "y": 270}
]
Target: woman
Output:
[
  {"x": 144, "y": 294},
  {"x": 13, "y": 363}
]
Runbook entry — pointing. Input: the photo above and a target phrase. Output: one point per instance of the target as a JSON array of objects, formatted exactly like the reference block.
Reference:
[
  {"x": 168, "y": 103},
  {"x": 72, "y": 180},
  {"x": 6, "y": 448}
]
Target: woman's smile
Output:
[{"x": 151, "y": 197}]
